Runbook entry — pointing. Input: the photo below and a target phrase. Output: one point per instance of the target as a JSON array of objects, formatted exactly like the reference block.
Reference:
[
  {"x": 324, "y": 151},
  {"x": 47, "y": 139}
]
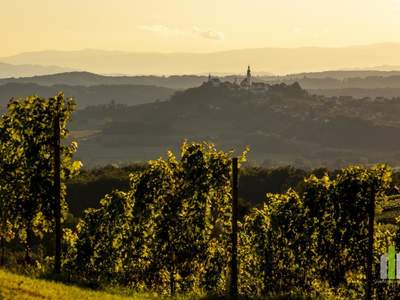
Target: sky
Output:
[{"x": 193, "y": 25}]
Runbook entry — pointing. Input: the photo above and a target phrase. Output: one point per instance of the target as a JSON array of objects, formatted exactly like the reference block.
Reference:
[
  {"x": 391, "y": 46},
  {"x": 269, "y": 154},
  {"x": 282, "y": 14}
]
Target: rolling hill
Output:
[
  {"x": 319, "y": 80},
  {"x": 90, "y": 79},
  {"x": 89, "y": 95},
  {"x": 9, "y": 70},
  {"x": 282, "y": 124},
  {"x": 14, "y": 286}
]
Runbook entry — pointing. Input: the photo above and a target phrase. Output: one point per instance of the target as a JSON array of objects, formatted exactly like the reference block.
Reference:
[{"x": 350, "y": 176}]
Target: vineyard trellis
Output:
[
  {"x": 57, "y": 194},
  {"x": 27, "y": 197},
  {"x": 234, "y": 262}
]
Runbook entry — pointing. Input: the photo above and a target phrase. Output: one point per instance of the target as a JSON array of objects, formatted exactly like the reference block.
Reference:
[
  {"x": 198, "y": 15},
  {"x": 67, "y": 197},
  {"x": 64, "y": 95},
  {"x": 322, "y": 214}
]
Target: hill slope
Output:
[
  {"x": 88, "y": 95},
  {"x": 90, "y": 79},
  {"x": 9, "y": 70},
  {"x": 20, "y": 287},
  {"x": 283, "y": 124}
]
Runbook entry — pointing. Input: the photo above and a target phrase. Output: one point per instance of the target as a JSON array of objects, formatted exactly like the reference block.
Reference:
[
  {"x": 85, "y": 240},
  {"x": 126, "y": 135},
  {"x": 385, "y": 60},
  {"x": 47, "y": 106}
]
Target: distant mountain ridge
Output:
[
  {"x": 273, "y": 60},
  {"x": 343, "y": 74},
  {"x": 10, "y": 70}
]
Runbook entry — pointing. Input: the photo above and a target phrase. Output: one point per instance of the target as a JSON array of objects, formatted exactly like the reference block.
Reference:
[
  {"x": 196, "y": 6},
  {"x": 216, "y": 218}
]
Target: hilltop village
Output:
[
  {"x": 255, "y": 87},
  {"x": 247, "y": 83}
]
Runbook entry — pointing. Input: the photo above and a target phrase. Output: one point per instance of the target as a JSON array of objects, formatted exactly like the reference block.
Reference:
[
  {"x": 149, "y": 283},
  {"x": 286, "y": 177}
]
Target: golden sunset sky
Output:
[{"x": 193, "y": 25}]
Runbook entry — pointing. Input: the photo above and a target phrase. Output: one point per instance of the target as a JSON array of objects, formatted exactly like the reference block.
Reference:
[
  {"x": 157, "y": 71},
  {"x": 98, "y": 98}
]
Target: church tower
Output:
[
  {"x": 248, "y": 76},
  {"x": 246, "y": 82}
]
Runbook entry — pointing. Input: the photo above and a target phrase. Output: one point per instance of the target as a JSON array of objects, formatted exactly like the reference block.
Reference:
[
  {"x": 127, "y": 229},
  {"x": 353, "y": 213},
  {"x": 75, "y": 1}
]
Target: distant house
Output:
[{"x": 213, "y": 81}]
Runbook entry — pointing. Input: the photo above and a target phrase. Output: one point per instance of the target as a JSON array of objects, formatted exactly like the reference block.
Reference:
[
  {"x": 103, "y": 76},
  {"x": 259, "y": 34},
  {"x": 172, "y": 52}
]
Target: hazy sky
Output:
[{"x": 194, "y": 25}]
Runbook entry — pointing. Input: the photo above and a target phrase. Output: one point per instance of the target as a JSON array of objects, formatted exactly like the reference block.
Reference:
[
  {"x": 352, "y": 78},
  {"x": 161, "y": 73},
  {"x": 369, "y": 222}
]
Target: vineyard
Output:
[{"x": 171, "y": 232}]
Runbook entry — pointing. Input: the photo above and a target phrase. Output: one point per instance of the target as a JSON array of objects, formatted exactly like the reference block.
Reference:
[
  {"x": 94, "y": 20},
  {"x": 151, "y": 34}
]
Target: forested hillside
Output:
[
  {"x": 89, "y": 95},
  {"x": 90, "y": 79},
  {"x": 283, "y": 125}
]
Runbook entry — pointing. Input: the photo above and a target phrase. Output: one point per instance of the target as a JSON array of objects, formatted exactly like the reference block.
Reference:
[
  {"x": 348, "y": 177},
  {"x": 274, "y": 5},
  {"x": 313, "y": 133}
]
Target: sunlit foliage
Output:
[
  {"x": 27, "y": 168},
  {"x": 315, "y": 240},
  {"x": 170, "y": 231}
]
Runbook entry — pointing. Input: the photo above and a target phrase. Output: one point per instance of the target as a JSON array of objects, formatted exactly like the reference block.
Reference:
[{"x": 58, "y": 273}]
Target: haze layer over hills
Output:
[
  {"x": 273, "y": 60},
  {"x": 9, "y": 70}
]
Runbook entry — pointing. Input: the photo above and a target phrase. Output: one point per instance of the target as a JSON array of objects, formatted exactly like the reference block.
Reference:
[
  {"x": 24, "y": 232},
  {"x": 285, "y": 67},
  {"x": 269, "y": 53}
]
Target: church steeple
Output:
[{"x": 248, "y": 76}]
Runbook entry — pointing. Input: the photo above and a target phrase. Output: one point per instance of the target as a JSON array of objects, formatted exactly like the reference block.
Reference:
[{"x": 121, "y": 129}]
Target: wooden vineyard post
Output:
[
  {"x": 370, "y": 257},
  {"x": 234, "y": 263},
  {"x": 57, "y": 190}
]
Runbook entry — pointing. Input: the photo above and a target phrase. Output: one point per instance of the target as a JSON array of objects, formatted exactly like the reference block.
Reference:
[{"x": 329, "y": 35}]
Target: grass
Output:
[{"x": 14, "y": 286}]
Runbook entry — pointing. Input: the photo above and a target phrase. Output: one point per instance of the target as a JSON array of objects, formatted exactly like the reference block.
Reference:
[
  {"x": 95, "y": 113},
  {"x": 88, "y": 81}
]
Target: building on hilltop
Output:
[
  {"x": 213, "y": 81},
  {"x": 247, "y": 82},
  {"x": 250, "y": 84}
]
